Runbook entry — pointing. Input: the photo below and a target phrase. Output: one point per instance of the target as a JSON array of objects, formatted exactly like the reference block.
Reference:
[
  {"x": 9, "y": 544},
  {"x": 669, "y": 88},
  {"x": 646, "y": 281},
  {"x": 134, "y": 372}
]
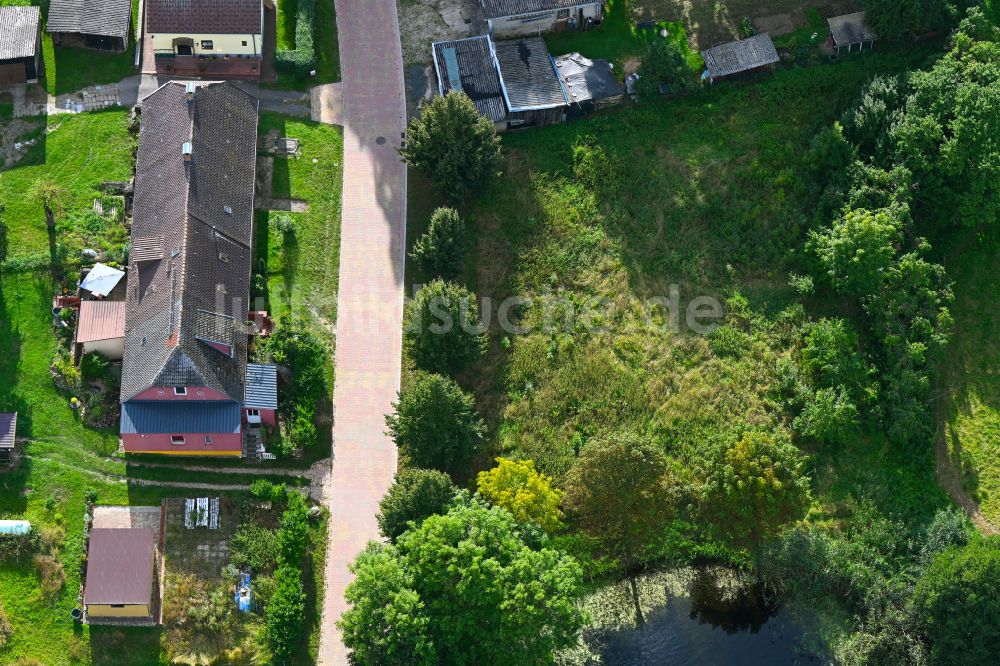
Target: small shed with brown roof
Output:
[
  {"x": 101, "y": 328},
  {"x": 120, "y": 573}
]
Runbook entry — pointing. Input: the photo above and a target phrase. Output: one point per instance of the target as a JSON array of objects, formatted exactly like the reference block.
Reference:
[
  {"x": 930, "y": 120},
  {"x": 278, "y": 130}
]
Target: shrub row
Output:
[{"x": 301, "y": 60}]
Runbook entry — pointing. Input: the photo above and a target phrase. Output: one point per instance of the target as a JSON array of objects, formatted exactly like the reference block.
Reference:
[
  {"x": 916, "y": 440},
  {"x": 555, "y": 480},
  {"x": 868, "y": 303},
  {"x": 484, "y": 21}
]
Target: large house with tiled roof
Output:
[
  {"x": 185, "y": 385},
  {"x": 212, "y": 39}
]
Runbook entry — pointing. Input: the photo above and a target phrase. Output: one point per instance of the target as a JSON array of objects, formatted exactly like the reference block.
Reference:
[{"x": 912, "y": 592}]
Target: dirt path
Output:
[
  {"x": 120, "y": 478},
  {"x": 370, "y": 300},
  {"x": 317, "y": 474}
]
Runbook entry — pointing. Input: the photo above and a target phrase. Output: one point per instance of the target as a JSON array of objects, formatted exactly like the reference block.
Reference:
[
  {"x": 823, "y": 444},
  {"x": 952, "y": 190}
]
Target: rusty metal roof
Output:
[
  {"x": 119, "y": 566},
  {"x": 101, "y": 320}
]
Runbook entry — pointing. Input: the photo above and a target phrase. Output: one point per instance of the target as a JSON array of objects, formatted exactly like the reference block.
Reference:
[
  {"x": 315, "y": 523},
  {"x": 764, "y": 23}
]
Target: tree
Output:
[
  {"x": 893, "y": 18},
  {"x": 528, "y": 495},
  {"x": 858, "y": 248},
  {"x": 830, "y": 156},
  {"x": 958, "y": 598},
  {"x": 434, "y": 423},
  {"x": 455, "y": 146},
  {"x": 462, "y": 588},
  {"x": 439, "y": 251},
  {"x": 664, "y": 62},
  {"x": 618, "y": 491},
  {"x": 829, "y": 415},
  {"x": 753, "y": 485},
  {"x": 442, "y": 329},
  {"x": 414, "y": 495},
  {"x": 877, "y": 111},
  {"x": 285, "y": 613}
]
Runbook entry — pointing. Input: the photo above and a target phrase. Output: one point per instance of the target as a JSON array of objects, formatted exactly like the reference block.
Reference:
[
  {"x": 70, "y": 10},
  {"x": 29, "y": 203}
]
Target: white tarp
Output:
[{"x": 101, "y": 279}]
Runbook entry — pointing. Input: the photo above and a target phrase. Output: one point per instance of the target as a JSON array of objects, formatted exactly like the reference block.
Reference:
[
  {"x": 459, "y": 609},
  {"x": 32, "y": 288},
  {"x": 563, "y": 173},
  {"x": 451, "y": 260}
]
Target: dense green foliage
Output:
[
  {"x": 439, "y": 251},
  {"x": 285, "y": 612},
  {"x": 754, "y": 485},
  {"x": 442, "y": 331},
  {"x": 455, "y": 146},
  {"x": 462, "y": 588},
  {"x": 618, "y": 490},
  {"x": 434, "y": 423},
  {"x": 893, "y": 18},
  {"x": 529, "y": 496},
  {"x": 664, "y": 62},
  {"x": 414, "y": 495},
  {"x": 299, "y": 61},
  {"x": 959, "y": 600}
]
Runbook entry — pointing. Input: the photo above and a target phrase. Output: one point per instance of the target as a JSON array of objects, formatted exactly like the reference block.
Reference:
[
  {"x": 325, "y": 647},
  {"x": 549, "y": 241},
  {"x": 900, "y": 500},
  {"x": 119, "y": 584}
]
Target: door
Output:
[{"x": 12, "y": 72}]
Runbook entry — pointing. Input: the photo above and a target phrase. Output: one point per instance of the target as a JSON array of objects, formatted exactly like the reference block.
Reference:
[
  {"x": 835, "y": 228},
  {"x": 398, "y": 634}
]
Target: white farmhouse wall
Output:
[{"x": 221, "y": 44}]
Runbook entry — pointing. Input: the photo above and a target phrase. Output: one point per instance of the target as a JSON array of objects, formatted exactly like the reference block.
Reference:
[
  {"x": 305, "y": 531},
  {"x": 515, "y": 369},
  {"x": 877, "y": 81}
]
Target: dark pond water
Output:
[{"x": 687, "y": 632}]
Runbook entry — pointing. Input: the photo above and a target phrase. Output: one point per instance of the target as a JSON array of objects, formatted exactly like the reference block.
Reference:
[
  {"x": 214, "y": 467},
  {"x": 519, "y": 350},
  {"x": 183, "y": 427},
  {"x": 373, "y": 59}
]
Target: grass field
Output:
[
  {"x": 703, "y": 192},
  {"x": 970, "y": 415}
]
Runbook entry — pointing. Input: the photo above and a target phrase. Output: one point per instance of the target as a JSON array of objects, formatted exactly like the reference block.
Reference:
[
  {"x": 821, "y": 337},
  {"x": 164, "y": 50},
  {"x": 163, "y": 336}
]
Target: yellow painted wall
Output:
[
  {"x": 134, "y": 610},
  {"x": 192, "y": 453},
  {"x": 221, "y": 44}
]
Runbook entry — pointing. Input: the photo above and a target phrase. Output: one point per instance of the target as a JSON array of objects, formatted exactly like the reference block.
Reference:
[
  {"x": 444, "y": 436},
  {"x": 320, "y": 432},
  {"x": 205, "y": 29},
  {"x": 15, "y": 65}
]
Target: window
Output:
[
  {"x": 244, "y": 42},
  {"x": 180, "y": 390},
  {"x": 562, "y": 13},
  {"x": 207, "y": 45},
  {"x": 117, "y": 605},
  {"x": 253, "y": 412},
  {"x": 208, "y": 440},
  {"x": 177, "y": 440}
]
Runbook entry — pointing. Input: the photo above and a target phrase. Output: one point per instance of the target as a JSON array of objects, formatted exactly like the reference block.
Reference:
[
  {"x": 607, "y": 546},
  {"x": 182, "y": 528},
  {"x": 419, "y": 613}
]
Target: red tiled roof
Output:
[
  {"x": 101, "y": 320},
  {"x": 119, "y": 566},
  {"x": 204, "y": 17}
]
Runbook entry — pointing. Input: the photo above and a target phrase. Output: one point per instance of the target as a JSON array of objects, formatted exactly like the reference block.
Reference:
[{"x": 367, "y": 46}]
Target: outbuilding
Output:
[
  {"x": 20, "y": 45},
  {"x": 589, "y": 84},
  {"x": 120, "y": 573},
  {"x": 849, "y": 31},
  {"x": 530, "y": 85},
  {"x": 103, "y": 25},
  {"x": 514, "y": 18},
  {"x": 101, "y": 328},
  {"x": 8, "y": 435},
  {"x": 746, "y": 55},
  {"x": 467, "y": 66}
]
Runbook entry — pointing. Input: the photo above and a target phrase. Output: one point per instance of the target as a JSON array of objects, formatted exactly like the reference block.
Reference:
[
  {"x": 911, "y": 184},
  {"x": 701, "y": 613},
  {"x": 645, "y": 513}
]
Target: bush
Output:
[
  {"x": 285, "y": 613},
  {"x": 50, "y": 571},
  {"x": 456, "y": 147},
  {"x": 439, "y": 251},
  {"x": 528, "y": 495},
  {"x": 16, "y": 548},
  {"x": 664, "y": 62},
  {"x": 268, "y": 491},
  {"x": 434, "y": 423},
  {"x": 442, "y": 330},
  {"x": 282, "y": 222},
  {"x": 95, "y": 365},
  {"x": 958, "y": 598},
  {"x": 302, "y": 430},
  {"x": 414, "y": 495},
  {"x": 255, "y": 547},
  {"x": 6, "y": 628},
  {"x": 293, "y": 537},
  {"x": 299, "y": 62}
]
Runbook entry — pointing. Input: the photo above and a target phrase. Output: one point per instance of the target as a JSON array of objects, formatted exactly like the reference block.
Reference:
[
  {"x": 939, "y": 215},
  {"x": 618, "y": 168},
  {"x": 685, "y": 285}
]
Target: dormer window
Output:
[{"x": 180, "y": 390}]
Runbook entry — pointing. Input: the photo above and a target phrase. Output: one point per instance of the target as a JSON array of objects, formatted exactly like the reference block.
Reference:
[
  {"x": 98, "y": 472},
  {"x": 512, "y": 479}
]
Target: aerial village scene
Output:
[{"x": 499, "y": 332}]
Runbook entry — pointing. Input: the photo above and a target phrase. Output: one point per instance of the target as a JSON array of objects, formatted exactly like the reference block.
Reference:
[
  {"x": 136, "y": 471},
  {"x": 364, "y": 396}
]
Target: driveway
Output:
[{"x": 370, "y": 302}]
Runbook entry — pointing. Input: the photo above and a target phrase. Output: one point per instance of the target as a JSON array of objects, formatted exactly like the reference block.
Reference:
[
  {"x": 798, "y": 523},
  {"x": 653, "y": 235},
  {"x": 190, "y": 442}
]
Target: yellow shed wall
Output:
[
  {"x": 221, "y": 44},
  {"x": 134, "y": 610}
]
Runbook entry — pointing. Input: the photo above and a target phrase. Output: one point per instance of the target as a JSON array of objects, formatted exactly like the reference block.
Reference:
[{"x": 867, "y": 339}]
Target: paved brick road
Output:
[{"x": 370, "y": 302}]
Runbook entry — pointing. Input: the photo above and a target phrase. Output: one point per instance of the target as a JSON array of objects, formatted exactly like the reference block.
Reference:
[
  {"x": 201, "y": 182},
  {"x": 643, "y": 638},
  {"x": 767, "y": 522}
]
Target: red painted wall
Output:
[
  {"x": 193, "y": 443},
  {"x": 193, "y": 393}
]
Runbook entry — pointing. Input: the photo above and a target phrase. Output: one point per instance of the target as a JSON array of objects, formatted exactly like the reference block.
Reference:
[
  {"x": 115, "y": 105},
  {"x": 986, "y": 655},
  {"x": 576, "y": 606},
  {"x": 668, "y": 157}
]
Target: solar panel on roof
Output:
[{"x": 451, "y": 62}]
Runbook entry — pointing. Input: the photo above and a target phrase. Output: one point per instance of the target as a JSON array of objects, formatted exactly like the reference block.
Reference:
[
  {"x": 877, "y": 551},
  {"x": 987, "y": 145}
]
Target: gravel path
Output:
[{"x": 370, "y": 301}]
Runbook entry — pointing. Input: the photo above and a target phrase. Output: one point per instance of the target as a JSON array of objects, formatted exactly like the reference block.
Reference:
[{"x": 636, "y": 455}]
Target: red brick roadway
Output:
[{"x": 370, "y": 301}]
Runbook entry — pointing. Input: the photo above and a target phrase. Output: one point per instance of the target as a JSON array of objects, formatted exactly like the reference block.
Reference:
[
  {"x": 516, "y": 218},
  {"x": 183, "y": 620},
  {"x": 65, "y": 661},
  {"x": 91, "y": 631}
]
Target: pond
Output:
[{"x": 687, "y": 616}]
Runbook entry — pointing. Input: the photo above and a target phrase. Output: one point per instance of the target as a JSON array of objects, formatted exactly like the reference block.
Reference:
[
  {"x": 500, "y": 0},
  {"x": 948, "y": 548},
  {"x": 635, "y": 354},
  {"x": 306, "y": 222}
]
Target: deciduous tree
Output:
[
  {"x": 414, "y": 495},
  {"x": 528, "y": 495}
]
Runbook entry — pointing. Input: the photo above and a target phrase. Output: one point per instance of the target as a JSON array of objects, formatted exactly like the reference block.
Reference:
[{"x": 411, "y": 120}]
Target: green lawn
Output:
[
  {"x": 302, "y": 266},
  {"x": 970, "y": 385},
  {"x": 325, "y": 44}
]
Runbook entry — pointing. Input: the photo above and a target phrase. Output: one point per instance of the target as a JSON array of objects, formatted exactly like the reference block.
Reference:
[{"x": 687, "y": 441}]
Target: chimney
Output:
[
  {"x": 186, "y": 151},
  {"x": 189, "y": 90}
]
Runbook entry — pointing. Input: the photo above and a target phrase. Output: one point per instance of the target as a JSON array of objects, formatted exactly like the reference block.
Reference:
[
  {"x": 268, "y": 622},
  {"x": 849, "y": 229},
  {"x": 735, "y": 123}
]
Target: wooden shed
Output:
[
  {"x": 20, "y": 45},
  {"x": 733, "y": 58},
  {"x": 850, "y": 30},
  {"x": 120, "y": 573}
]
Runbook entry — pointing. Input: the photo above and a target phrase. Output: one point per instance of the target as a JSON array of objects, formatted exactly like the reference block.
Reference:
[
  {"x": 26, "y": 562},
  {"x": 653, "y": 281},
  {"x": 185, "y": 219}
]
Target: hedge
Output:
[{"x": 299, "y": 62}]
